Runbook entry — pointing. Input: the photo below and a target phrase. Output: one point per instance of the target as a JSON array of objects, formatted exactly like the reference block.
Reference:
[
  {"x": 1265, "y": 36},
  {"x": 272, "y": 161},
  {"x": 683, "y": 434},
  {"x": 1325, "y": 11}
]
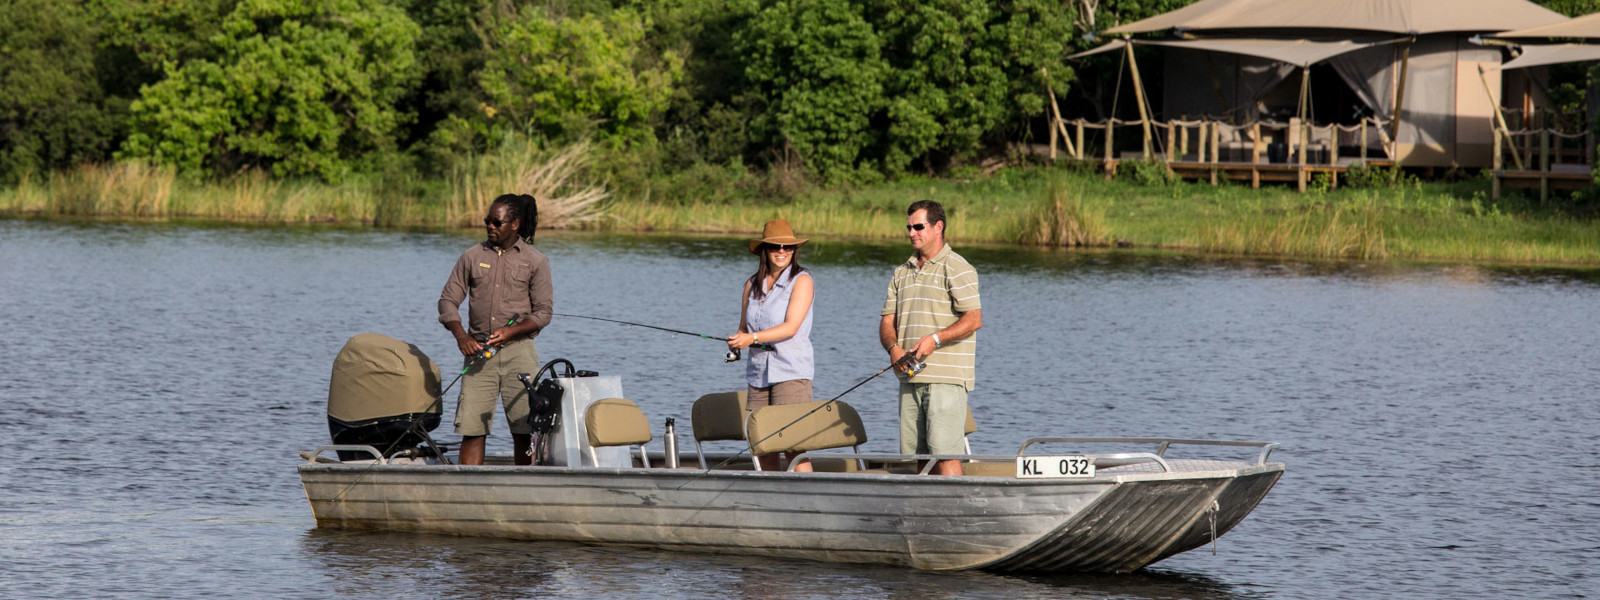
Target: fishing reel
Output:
[
  {"x": 731, "y": 356},
  {"x": 485, "y": 352}
]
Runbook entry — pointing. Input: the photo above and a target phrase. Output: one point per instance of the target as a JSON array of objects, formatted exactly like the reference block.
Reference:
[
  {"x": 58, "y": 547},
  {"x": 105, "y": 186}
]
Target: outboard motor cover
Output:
[{"x": 381, "y": 387}]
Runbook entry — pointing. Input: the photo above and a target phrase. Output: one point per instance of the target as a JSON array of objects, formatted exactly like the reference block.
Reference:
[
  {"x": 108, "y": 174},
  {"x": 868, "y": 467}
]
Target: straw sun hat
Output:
[{"x": 776, "y": 232}]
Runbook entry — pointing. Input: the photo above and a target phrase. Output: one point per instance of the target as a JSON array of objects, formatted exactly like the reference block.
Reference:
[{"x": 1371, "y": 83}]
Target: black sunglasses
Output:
[
  {"x": 917, "y": 227},
  {"x": 790, "y": 247},
  {"x": 493, "y": 222}
]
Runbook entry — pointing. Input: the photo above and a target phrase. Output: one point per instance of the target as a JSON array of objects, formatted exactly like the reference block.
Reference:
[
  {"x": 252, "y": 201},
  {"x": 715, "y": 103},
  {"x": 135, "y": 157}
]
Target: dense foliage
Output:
[
  {"x": 844, "y": 90},
  {"x": 52, "y": 109}
]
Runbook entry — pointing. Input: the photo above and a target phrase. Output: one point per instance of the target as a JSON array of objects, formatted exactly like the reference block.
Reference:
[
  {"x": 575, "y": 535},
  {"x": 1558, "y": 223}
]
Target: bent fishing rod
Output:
[
  {"x": 909, "y": 359},
  {"x": 732, "y": 356}
]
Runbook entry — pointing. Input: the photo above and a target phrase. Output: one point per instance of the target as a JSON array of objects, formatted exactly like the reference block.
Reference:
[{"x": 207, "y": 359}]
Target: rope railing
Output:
[
  {"x": 1543, "y": 156},
  {"x": 1292, "y": 141}
]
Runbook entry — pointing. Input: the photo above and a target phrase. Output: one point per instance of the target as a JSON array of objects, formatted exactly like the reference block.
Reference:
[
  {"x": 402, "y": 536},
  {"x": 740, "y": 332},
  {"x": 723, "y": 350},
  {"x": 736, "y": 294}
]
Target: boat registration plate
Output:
[{"x": 1052, "y": 467}]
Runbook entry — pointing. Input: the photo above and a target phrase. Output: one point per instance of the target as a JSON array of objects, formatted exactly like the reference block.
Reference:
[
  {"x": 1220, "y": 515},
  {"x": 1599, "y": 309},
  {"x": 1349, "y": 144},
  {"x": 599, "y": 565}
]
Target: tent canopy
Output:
[
  {"x": 1391, "y": 16},
  {"x": 1538, "y": 56},
  {"x": 1297, "y": 52},
  {"x": 1585, "y": 27}
]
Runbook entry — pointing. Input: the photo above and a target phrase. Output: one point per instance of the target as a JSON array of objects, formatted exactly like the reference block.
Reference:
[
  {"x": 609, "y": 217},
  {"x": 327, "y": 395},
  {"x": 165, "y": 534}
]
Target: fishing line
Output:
[
  {"x": 908, "y": 359},
  {"x": 733, "y": 355}
]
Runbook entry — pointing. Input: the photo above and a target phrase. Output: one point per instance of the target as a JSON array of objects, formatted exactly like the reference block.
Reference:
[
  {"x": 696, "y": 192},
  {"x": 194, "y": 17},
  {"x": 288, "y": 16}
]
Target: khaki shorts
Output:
[
  {"x": 933, "y": 417},
  {"x": 793, "y": 391},
  {"x": 495, "y": 382}
]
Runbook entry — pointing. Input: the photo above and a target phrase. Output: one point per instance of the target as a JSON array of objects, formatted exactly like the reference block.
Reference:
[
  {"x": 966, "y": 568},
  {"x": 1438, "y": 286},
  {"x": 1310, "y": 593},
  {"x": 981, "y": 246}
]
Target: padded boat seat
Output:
[
  {"x": 788, "y": 428},
  {"x": 616, "y": 422},
  {"x": 718, "y": 417}
]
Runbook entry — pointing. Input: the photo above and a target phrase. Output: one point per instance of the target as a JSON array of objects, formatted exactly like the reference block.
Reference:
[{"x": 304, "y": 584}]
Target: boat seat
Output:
[
  {"x": 718, "y": 417},
  {"x": 616, "y": 422},
  {"x": 787, "y": 428}
]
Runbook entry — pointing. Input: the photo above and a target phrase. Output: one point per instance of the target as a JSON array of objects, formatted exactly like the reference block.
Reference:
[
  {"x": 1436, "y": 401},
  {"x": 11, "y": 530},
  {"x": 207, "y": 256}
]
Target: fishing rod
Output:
[
  {"x": 484, "y": 353},
  {"x": 732, "y": 355},
  {"x": 914, "y": 366}
]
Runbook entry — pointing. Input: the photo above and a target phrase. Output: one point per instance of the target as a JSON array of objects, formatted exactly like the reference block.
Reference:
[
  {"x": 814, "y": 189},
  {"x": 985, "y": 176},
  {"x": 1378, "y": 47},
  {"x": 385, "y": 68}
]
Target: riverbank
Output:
[{"x": 1030, "y": 205}]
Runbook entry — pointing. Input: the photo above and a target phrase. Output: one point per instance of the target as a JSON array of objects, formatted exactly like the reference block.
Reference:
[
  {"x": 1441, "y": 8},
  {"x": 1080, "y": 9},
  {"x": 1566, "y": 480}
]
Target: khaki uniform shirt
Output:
[
  {"x": 516, "y": 281},
  {"x": 928, "y": 299}
]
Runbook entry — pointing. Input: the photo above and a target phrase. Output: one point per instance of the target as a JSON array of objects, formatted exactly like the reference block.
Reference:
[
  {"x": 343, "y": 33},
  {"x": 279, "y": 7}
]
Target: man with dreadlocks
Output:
[{"x": 507, "y": 280}]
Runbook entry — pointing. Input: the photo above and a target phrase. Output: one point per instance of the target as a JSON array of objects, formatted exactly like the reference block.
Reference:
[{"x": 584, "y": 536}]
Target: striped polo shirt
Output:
[{"x": 929, "y": 299}]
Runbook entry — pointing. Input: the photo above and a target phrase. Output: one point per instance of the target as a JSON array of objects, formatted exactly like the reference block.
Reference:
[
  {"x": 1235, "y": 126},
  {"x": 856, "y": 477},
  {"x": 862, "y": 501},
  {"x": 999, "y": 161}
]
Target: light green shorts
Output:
[
  {"x": 495, "y": 382},
  {"x": 932, "y": 418}
]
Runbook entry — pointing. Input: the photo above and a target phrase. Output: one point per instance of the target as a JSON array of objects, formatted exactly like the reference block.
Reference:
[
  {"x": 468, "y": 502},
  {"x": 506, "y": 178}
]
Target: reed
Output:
[
  {"x": 1062, "y": 218},
  {"x": 1031, "y": 206},
  {"x": 1337, "y": 232},
  {"x": 560, "y": 181}
]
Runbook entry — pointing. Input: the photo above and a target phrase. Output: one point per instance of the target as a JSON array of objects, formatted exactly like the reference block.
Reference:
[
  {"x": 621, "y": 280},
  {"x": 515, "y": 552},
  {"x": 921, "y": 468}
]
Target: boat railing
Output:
[
  {"x": 929, "y": 460},
  {"x": 1161, "y": 450},
  {"x": 347, "y": 448}
]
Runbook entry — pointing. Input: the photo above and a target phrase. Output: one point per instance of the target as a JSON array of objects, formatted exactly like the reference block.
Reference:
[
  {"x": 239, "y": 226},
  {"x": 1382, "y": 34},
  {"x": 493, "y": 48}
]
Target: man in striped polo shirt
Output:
[{"x": 932, "y": 312}]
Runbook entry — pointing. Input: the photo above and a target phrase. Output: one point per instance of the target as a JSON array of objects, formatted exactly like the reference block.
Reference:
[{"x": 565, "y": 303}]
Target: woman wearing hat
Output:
[{"x": 776, "y": 311}]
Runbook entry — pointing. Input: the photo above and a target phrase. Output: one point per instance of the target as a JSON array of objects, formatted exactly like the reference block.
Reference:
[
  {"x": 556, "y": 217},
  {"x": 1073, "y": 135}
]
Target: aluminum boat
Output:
[{"x": 1057, "y": 504}]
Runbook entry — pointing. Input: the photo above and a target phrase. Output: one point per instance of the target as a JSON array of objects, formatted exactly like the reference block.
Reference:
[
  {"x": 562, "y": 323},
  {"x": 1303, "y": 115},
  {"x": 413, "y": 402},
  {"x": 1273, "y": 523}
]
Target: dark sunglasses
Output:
[
  {"x": 917, "y": 227},
  {"x": 493, "y": 222},
  {"x": 789, "y": 247}
]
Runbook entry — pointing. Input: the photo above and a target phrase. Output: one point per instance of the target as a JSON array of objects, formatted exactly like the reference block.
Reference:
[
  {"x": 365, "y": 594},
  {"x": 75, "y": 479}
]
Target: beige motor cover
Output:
[{"x": 377, "y": 376}]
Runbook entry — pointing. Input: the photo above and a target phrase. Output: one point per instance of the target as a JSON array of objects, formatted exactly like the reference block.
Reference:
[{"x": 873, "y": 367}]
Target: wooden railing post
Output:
[
  {"x": 1363, "y": 141},
  {"x": 1111, "y": 129},
  {"x": 1544, "y": 165},
  {"x": 1080, "y": 148},
  {"x": 1333, "y": 144},
  {"x": 1255, "y": 144},
  {"x": 1172, "y": 136},
  {"x": 1216, "y": 142}
]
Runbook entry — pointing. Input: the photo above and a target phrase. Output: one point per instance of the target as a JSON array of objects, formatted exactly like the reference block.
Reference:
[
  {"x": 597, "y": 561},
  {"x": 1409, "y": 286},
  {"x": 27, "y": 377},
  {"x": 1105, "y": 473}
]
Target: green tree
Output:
[
  {"x": 816, "y": 77},
  {"x": 944, "y": 88},
  {"x": 570, "y": 78},
  {"x": 963, "y": 71},
  {"x": 300, "y": 86},
  {"x": 50, "y": 97},
  {"x": 1572, "y": 8},
  {"x": 705, "y": 122}
]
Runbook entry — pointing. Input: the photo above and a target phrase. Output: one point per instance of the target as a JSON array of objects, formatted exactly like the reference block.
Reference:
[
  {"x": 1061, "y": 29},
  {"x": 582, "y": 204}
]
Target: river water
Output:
[{"x": 1438, "y": 421}]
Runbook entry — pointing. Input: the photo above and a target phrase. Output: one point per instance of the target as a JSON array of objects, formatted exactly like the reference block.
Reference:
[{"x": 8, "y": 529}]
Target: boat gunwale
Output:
[{"x": 694, "y": 475}]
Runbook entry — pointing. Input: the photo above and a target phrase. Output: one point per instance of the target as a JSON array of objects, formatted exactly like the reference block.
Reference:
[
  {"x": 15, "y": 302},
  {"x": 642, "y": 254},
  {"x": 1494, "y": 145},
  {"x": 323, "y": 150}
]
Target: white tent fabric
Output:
[
  {"x": 1541, "y": 55},
  {"x": 1298, "y": 52},
  {"x": 1413, "y": 17},
  {"x": 1586, "y": 27}
]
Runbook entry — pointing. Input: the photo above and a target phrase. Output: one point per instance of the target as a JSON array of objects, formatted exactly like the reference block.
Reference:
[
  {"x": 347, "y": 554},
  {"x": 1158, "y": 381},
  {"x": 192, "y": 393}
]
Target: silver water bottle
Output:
[{"x": 670, "y": 439}]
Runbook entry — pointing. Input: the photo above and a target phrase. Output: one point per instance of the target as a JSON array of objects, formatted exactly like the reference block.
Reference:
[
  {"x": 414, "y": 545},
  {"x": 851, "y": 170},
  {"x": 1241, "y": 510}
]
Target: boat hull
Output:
[{"x": 1112, "y": 522}]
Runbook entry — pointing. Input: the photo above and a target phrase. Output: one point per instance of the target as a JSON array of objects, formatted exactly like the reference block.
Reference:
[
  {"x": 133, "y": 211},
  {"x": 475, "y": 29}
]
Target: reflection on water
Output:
[
  {"x": 380, "y": 564},
  {"x": 1437, "y": 420}
]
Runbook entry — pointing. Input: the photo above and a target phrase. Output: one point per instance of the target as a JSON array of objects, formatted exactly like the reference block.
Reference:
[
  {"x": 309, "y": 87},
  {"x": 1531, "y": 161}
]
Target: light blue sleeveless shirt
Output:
[{"x": 790, "y": 359}]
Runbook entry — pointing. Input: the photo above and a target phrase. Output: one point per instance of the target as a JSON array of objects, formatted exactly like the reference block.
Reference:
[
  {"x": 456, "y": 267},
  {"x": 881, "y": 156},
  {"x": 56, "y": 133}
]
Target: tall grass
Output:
[
  {"x": 1031, "y": 206},
  {"x": 561, "y": 181},
  {"x": 133, "y": 190},
  {"x": 1062, "y": 218},
  {"x": 1338, "y": 232}
]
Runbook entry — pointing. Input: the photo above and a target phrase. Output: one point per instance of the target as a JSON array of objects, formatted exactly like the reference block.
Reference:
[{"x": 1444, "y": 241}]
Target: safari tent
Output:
[{"x": 1410, "y": 64}]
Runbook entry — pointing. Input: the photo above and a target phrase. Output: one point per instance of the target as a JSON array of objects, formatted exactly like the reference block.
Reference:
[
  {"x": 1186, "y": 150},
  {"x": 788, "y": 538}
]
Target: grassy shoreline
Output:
[{"x": 1029, "y": 206}]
